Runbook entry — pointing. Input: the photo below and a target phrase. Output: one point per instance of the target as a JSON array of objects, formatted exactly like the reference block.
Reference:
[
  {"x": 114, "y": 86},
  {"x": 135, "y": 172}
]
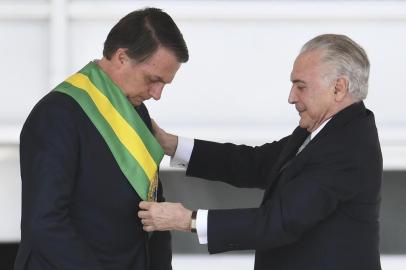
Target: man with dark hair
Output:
[
  {"x": 88, "y": 157},
  {"x": 142, "y": 32},
  {"x": 320, "y": 209}
]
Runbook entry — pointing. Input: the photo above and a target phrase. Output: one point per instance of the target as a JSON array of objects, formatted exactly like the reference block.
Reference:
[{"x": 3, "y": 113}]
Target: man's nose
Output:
[
  {"x": 156, "y": 91},
  {"x": 292, "y": 99}
]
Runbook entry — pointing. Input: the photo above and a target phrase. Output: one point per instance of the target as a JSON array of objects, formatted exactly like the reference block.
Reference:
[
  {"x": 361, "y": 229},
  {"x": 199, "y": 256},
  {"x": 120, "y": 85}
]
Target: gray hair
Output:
[{"x": 346, "y": 58}]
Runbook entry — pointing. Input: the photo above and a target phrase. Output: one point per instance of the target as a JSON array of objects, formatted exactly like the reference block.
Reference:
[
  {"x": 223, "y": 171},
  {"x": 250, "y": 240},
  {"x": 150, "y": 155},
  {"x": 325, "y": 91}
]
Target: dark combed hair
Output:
[{"x": 142, "y": 31}]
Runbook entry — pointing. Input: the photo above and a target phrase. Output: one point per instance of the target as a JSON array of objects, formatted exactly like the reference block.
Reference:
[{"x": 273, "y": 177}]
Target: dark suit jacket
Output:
[
  {"x": 78, "y": 209},
  {"x": 320, "y": 208}
]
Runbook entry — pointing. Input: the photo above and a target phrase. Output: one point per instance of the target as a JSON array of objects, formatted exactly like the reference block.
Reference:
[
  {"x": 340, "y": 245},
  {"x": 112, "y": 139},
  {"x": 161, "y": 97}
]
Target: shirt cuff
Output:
[
  {"x": 183, "y": 152},
  {"x": 201, "y": 225}
]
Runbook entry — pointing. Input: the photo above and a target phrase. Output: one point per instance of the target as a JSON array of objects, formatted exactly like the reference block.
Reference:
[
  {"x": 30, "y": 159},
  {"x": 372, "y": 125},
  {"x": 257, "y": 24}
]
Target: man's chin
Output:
[
  {"x": 303, "y": 125},
  {"x": 135, "y": 102},
  {"x": 308, "y": 126}
]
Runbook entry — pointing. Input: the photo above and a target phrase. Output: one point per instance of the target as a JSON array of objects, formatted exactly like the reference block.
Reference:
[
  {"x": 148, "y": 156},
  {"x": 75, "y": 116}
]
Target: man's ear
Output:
[
  {"x": 341, "y": 88},
  {"x": 120, "y": 56}
]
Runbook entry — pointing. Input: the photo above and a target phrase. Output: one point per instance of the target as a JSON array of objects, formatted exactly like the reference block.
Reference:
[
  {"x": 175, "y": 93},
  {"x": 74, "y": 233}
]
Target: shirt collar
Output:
[{"x": 314, "y": 133}]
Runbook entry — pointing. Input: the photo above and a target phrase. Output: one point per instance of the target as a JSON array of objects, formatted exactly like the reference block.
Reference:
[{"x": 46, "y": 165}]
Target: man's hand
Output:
[
  {"x": 164, "y": 216},
  {"x": 168, "y": 141}
]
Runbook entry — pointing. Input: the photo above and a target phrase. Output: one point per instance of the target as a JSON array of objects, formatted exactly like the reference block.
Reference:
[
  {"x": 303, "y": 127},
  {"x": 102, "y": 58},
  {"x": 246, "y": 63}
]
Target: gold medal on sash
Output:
[{"x": 153, "y": 189}]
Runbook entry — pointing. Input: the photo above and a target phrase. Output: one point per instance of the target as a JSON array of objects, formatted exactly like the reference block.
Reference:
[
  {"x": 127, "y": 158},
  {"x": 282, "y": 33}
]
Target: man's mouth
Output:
[{"x": 299, "y": 110}]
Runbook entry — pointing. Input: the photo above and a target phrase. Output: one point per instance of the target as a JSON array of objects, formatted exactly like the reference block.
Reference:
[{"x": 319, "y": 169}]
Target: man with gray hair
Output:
[{"x": 322, "y": 183}]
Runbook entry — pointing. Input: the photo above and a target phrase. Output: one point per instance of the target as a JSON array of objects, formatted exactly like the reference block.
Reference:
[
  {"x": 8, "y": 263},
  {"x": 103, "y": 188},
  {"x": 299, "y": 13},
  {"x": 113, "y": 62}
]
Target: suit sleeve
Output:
[
  {"x": 297, "y": 206},
  {"x": 49, "y": 153},
  {"x": 238, "y": 165}
]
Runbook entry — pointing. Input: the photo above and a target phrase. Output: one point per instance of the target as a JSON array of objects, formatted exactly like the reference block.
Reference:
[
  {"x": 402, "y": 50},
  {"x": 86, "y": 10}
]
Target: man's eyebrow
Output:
[
  {"x": 157, "y": 78},
  {"x": 298, "y": 81}
]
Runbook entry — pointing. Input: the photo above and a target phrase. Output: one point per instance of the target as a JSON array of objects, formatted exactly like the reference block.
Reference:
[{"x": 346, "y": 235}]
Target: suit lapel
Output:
[
  {"x": 296, "y": 139},
  {"x": 143, "y": 113},
  {"x": 299, "y": 135}
]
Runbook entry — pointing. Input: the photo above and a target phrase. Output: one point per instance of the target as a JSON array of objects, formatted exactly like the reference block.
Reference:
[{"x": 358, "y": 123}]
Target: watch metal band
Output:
[{"x": 193, "y": 222}]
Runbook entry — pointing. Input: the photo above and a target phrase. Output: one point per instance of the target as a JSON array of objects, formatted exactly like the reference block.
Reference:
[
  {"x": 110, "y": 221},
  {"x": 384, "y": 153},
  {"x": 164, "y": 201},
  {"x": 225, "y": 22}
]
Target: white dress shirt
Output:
[{"x": 181, "y": 158}]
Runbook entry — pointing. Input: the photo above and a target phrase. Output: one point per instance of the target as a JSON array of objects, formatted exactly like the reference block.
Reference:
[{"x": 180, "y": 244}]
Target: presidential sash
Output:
[{"x": 133, "y": 146}]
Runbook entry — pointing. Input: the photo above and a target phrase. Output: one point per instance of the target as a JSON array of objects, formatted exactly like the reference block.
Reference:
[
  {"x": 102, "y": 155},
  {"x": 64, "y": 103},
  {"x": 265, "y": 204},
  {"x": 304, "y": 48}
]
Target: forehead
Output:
[
  {"x": 162, "y": 63},
  {"x": 307, "y": 65}
]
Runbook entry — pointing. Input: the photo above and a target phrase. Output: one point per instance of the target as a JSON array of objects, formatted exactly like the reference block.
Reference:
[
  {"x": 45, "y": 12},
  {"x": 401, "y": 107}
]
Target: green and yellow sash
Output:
[{"x": 135, "y": 149}]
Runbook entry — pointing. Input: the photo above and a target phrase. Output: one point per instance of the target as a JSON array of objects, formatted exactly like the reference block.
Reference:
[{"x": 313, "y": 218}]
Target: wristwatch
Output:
[{"x": 193, "y": 222}]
